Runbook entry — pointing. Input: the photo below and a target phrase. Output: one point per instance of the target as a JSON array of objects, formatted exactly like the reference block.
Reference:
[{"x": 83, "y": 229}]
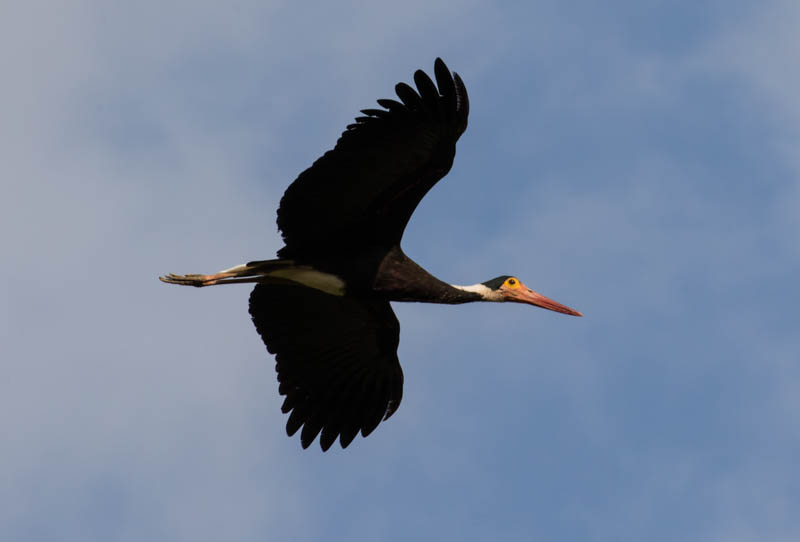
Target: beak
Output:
[{"x": 523, "y": 294}]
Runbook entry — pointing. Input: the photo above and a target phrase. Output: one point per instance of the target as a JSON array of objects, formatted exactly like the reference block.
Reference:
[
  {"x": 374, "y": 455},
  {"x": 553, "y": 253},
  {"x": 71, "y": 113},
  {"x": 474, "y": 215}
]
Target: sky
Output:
[{"x": 634, "y": 160}]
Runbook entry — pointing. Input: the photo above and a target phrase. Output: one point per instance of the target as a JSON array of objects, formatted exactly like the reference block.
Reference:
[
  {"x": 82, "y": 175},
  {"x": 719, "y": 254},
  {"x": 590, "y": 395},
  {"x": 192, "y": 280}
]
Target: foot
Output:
[{"x": 193, "y": 280}]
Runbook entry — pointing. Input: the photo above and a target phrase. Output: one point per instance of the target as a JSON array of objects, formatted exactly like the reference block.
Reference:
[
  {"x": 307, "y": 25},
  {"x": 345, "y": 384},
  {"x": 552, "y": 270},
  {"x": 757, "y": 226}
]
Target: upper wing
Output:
[
  {"x": 365, "y": 189},
  {"x": 336, "y": 359}
]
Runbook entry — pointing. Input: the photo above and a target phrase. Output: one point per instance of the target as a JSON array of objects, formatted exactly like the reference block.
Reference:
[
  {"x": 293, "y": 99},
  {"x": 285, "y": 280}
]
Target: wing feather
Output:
[
  {"x": 363, "y": 192},
  {"x": 408, "y": 96},
  {"x": 336, "y": 359},
  {"x": 428, "y": 92}
]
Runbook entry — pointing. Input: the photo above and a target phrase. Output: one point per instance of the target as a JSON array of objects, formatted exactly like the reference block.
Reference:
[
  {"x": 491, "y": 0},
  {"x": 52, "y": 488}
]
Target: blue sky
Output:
[{"x": 634, "y": 160}]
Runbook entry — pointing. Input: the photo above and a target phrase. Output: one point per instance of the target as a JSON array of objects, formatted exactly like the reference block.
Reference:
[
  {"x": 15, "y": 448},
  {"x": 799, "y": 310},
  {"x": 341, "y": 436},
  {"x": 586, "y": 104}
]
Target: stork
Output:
[{"x": 323, "y": 305}]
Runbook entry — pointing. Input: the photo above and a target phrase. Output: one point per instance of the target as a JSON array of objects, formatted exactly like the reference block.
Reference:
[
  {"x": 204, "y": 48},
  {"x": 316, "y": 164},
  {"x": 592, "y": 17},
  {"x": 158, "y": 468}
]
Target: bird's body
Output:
[{"x": 323, "y": 306}]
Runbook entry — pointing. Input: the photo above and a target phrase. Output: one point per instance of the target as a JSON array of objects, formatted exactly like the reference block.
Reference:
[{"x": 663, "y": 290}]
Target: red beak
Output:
[{"x": 523, "y": 294}]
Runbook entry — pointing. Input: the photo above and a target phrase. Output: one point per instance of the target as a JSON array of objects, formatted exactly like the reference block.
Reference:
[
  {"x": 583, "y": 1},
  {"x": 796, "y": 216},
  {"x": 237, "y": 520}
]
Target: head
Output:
[{"x": 508, "y": 288}]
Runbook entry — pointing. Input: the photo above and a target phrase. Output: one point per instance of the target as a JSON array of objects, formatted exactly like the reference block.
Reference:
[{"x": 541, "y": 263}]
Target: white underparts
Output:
[
  {"x": 484, "y": 291},
  {"x": 326, "y": 282},
  {"x": 288, "y": 270}
]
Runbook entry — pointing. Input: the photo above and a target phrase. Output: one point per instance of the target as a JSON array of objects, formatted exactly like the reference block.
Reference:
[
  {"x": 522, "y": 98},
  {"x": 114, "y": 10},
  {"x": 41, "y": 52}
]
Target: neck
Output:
[{"x": 400, "y": 279}]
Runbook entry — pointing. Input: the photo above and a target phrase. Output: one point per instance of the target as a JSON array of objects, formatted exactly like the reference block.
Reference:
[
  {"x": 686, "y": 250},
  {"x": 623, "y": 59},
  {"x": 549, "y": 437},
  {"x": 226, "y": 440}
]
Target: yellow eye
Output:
[{"x": 512, "y": 282}]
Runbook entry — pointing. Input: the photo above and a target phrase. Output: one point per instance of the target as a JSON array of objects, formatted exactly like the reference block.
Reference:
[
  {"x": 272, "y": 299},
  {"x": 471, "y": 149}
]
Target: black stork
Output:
[{"x": 322, "y": 307}]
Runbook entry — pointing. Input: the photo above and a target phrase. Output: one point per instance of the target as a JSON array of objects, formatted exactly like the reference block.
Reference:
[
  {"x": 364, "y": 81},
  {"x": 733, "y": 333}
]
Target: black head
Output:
[{"x": 495, "y": 283}]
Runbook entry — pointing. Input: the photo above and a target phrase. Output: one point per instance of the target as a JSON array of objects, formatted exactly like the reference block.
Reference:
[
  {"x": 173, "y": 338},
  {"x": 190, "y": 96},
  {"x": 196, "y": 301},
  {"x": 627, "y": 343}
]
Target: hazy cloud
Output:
[{"x": 633, "y": 161}]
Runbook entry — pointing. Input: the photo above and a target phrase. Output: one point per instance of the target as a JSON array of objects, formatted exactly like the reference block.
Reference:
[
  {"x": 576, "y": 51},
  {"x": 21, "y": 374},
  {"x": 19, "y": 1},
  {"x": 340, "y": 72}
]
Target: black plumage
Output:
[
  {"x": 323, "y": 306},
  {"x": 336, "y": 358},
  {"x": 380, "y": 169}
]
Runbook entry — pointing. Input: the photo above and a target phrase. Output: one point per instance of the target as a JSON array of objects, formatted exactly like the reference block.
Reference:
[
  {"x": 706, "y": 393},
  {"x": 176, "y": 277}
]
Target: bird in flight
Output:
[{"x": 322, "y": 307}]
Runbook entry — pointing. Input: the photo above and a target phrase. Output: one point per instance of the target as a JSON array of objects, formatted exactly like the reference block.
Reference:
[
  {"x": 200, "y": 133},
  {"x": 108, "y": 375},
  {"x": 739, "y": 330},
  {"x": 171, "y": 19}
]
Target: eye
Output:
[{"x": 512, "y": 282}]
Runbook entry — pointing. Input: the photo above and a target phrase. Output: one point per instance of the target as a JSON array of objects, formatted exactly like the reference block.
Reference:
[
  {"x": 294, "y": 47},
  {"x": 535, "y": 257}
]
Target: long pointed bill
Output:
[{"x": 524, "y": 294}]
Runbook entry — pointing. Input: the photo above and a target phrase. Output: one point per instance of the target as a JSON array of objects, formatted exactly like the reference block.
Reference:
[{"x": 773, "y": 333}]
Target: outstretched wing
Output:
[
  {"x": 336, "y": 359},
  {"x": 364, "y": 191}
]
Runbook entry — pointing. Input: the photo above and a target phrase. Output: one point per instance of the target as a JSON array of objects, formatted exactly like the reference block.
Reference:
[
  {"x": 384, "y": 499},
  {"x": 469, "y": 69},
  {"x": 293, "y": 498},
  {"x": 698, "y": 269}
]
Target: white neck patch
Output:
[{"x": 484, "y": 291}]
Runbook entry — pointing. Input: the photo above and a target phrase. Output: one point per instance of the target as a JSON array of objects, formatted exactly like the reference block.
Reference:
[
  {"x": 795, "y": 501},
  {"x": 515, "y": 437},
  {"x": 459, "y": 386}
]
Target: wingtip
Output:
[
  {"x": 346, "y": 438},
  {"x": 325, "y": 441}
]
